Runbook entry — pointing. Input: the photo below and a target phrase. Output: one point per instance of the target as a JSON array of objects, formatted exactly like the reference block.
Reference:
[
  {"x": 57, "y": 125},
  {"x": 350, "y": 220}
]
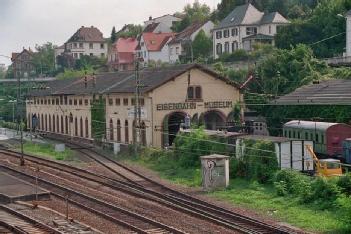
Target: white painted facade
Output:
[
  {"x": 176, "y": 49},
  {"x": 348, "y": 35},
  {"x": 78, "y": 49},
  {"x": 166, "y": 20},
  {"x": 156, "y": 56}
]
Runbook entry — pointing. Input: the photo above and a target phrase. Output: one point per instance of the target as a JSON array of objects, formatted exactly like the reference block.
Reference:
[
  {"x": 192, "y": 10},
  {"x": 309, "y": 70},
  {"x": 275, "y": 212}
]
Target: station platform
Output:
[{"x": 13, "y": 189}]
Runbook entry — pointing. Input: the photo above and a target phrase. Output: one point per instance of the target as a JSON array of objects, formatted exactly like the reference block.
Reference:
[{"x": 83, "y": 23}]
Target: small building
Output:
[
  {"x": 153, "y": 47},
  {"x": 86, "y": 41},
  {"x": 122, "y": 54},
  {"x": 168, "y": 96},
  {"x": 327, "y": 137},
  {"x": 244, "y": 27},
  {"x": 22, "y": 63},
  {"x": 186, "y": 37},
  {"x": 162, "y": 24}
]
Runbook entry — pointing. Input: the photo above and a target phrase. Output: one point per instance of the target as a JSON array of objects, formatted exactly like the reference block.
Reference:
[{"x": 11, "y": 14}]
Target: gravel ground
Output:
[{"x": 144, "y": 207}]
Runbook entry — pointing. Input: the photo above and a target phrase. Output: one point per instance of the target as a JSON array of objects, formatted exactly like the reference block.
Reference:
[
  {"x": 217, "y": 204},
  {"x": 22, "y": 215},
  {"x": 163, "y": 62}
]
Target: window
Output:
[
  {"x": 234, "y": 32},
  {"x": 226, "y": 33},
  {"x": 91, "y": 54},
  {"x": 198, "y": 92},
  {"x": 322, "y": 140},
  {"x": 70, "y": 102},
  {"x": 65, "y": 98},
  {"x": 80, "y": 45},
  {"x": 102, "y": 46},
  {"x": 177, "y": 50},
  {"x": 251, "y": 31},
  {"x": 91, "y": 46},
  {"x": 190, "y": 92},
  {"x": 317, "y": 138},
  {"x": 144, "y": 54},
  {"x": 142, "y": 102},
  {"x": 118, "y": 102},
  {"x": 226, "y": 47},
  {"x": 75, "y": 45},
  {"x": 80, "y": 55},
  {"x": 194, "y": 92},
  {"x": 171, "y": 51},
  {"x": 270, "y": 29},
  {"x": 75, "y": 102},
  {"x": 125, "y": 101},
  {"x": 80, "y": 102},
  {"x": 86, "y": 102},
  {"x": 75, "y": 55},
  {"x": 133, "y": 101},
  {"x": 219, "y": 49},
  {"x": 234, "y": 46},
  {"x": 306, "y": 136},
  {"x": 219, "y": 34},
  {"x": 118, "y": 130},
  {"x": 110, "y": 101},
  {"x": 126, "y": 132}
]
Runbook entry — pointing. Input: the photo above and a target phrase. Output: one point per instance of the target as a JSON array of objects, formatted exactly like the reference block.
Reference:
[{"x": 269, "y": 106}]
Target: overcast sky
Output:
[{"x": 30, "y": 22}]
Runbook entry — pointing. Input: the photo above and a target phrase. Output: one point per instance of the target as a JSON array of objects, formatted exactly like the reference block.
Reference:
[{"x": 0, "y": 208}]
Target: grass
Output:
[
  {"x": 253, "y": 196},
  {"x": 47, "y": 150}
]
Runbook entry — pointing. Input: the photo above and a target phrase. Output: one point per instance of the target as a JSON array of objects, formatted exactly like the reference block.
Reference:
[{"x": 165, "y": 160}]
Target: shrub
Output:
[
  {"x": 294, "y": 182},
  {"x": 344, "y": 183}
]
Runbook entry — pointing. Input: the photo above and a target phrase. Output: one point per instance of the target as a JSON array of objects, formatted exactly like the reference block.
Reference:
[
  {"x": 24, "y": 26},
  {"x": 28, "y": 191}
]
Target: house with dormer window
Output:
[{"x": 244, "y": 27}]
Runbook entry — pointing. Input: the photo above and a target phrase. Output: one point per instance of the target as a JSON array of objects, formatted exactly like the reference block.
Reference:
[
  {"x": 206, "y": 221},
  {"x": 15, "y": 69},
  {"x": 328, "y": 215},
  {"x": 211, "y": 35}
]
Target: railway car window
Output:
[
  {"x": 317, "y": 138},
  {"x": 289, "y": 134},
  {"x": 298, "y": 135},
  {"x": 306, "y": 135},
  {"x": 322, "y": 140},
  {"x": 294, "y": 134},
  {"x": 311, "y": 136}
]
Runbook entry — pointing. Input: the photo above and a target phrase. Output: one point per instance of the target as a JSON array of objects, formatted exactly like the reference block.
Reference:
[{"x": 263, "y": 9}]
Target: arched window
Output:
[
  {"x": 81, "y": 127},
  {"x": 118, "y": 130},
  {"x": 234, "y": 46},
  {"x": 53, "y": 124},
  {"x": 126, "y": 132},
  {"x": 49, "y": 123},
  {"x": 46, "y": 122},
  {"x": 86, "y": 128},
  {"x": 111, "y": 130},
  {"x": 62, "y": 125},
  {"x": 75, "y": 126},
  {"x": 226, "y": 47},
  {"x": 143, "y": 133},
  {"x": 198, "y": 92},
  {"x": 42, "y": 126},
  {"x": 219, "y": 48},
  {"x": 29, "y": 121},
  {"x": 57, "y": 124},
  {"x": 66, "y": 124}
]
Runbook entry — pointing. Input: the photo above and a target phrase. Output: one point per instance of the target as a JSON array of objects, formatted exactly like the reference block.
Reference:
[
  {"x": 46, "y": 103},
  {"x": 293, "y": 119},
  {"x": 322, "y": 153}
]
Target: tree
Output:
[
  {"x": 130, "y": 30},
  {"x": 202, "y": 45},
  {"x": 113, "y": 35},
  {"x": 44, "y": 59},
  {"x": 193, "y": 13},
  {"x": 87, "y": 62},
  {"x": 2, "y": 73}
]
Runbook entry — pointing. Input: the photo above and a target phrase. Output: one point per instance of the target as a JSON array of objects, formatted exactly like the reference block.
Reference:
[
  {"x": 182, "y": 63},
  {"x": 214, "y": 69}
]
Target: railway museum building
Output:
[{"x": 169, "y": 96}]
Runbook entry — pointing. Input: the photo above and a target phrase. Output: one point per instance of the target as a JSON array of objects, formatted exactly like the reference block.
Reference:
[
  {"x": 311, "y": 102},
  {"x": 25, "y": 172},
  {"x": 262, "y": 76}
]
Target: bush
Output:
[
  {"x": 238, "y": 55},
  {"x": 324, "y": 192},
  {"x": 293, "y": 182},
  {"x": 344, "y": 183}
]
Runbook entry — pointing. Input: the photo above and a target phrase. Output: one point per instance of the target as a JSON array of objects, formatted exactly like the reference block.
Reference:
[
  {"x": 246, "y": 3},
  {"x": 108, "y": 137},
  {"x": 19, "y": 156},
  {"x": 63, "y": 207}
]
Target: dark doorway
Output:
[
  {"x": 214, "y": 120},
  {"x": 171, "y": 127}
]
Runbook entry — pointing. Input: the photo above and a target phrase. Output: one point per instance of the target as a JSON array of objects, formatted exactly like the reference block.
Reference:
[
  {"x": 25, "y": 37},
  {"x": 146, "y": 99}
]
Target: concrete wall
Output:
[{"x": 86, "y": 50}]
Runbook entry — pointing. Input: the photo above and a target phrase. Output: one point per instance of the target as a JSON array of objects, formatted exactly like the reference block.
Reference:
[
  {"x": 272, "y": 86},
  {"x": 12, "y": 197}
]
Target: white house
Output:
[
  {"x": 86, "y": 41},
  {"x": 187, "y": 36},
  {"x": 164, "y": 22},
  {"x": 348, "y": 34},
  {"x": 244, "y": 27},
  {"x": 154, "y": 47}
]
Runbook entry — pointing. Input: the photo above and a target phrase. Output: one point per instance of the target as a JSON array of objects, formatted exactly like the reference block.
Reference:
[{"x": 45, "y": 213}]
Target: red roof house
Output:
[{"x": 122, "y": 54}]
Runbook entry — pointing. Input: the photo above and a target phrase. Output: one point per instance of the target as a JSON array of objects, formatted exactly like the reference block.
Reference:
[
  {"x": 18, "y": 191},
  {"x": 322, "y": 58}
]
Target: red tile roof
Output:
[
  {"x": 87, "y": 34},
  {"x": 126, "y": 45},
  {"x": 156, "y": 41}
]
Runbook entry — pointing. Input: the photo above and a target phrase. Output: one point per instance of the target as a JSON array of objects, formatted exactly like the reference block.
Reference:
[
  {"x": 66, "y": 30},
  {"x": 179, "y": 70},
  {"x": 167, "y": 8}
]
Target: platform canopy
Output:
[{"x": 329, "y": 92}]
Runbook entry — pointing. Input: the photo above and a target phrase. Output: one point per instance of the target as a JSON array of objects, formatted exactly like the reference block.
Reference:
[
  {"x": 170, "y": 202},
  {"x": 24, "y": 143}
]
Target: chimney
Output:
[{"x": 150, "y": 17}]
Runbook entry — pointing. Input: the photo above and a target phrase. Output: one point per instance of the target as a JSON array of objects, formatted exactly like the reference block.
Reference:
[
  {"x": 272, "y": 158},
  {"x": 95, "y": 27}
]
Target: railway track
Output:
[
  {"x": 198, "y": 207},
  {"x": 128, "y": 219},
  {"x": 19, "y": 223}
]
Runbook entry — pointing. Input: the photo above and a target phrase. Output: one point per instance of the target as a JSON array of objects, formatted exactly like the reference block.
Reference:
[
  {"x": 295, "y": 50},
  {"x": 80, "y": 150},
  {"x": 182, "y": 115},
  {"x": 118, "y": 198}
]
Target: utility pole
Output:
[
  {"x": 19, "y": 115},
  {"x": 137, "y": 108}
]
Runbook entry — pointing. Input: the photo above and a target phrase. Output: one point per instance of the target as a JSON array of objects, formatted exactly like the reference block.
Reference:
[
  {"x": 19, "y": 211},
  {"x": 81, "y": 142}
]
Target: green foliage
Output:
[
  {"x": 322, "y": 23},
  {"x": 131, "y": 30},
  {"x": 70, "y": 73},
  {"x": 11, "y": 125},
  {"x": 189, "y": 147},
  {"x": 345, "y": 184},
  {"x": 47, "y": 150},
  {"x": 44, "y": 59},
  {"x": 98, "y": 116},
  {"x": 87, "y": 62},
  {"x": 202, "y": 45},
  {"x": 113, "y": 35},
  {"x": 259, "y": 160},
  {"x": 192, "y": 13},
  {"x": 238, "y": 55}
]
